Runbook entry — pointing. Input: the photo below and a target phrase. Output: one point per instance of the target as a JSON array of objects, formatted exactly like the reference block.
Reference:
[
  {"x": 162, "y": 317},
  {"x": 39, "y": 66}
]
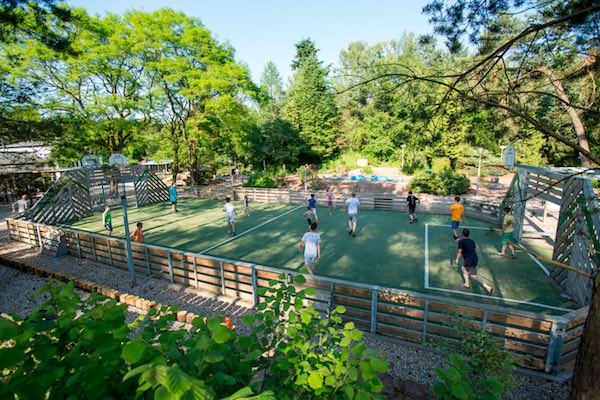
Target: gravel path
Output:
[{"x": 406, "y": 362}]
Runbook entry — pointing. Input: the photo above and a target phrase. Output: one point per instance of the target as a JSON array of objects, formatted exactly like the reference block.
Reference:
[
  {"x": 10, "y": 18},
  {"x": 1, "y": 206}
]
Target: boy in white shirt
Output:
[
  {"x": 230, "y": 215},
  {"x": 353, "y": 206},
  {"x": 312, "y": 248}
]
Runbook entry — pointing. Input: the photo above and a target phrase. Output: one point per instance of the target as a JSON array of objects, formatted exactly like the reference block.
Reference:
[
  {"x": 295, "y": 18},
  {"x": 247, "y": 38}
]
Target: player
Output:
[
  {"x": 466, "y": 249},
  {"x": 107, "y": 220},
  {"x": 507, "y": 233},
  {"x": 230, "y": 214},
  {"x": 353, "y": 207},
  {"x": 312, "y": 248},
  {"x": 309, "y": 216},
  {"x": 173, "y": 196},
  {"x": 312, "y": 203},
  {"x": 138, "y": 234},
  {"x": 21, "y": 205},
  {"x": 246, "y": 204},
  {"x": 329, "y": 197},
  {"x": 457, "y": 212},
  {"x": 412, "y": 202}
]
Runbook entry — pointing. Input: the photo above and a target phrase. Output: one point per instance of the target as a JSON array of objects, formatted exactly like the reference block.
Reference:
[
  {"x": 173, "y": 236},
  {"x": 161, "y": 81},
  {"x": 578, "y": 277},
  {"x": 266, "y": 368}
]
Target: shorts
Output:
[
  {"x": 352, "y": 217},
  {"x": 108, "y": 227},
  {"x": 471, "y": 269},
  {"x": 329, "y": 203},
  {"x": 173, "y": 201},
  {"x": 455, "y": 224},
  {"x": 314, "y": 211},
  {"x": 310, "y": 259},
  {"x": 507, "y": 237},
  {"x": 411, "y": 210},
  {"x": 230, "y": 217}
]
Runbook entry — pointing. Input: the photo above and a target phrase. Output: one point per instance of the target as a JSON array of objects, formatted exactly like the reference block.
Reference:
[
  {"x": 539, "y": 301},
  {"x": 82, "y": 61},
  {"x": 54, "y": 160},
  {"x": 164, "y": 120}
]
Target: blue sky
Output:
[{"x": 263, "y": 30}]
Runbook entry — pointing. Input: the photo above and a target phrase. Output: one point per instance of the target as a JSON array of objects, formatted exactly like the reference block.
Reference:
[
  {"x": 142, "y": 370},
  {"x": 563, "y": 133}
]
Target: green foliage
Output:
[
  {"x": 270, "y": 178},
  {"x": 74, "y": 348},
  {"x": 444, "y": 183},
  {"x": 440, "y": 164},
  {"x": 312, "y": 177},
  {"x": 481, "y": 370}
]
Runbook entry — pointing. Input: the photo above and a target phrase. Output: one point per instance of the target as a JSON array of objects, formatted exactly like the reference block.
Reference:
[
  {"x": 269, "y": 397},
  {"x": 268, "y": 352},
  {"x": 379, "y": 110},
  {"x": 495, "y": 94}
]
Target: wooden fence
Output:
[
  {"x": 537, "y": 341},
  {"x": 484, "y": 210}
]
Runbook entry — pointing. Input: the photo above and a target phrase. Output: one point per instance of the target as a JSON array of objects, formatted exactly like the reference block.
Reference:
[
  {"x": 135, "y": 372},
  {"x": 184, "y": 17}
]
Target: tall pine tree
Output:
[{"x": 310, "y": 107}]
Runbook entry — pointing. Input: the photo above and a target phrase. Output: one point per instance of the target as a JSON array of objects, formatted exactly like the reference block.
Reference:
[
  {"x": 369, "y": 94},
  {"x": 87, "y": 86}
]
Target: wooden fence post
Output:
[
  {"x": 148, "y": 264},
  {"x": 222, "y": 277},
  {"x": 254, "y": 286},
  {"x": 94, "y": 248},
  {"x": 39, "y": 235},
  {"x": 77, "y": 241},
  {"x": 374, "y": 298},
  {"x": 557, "y": 335},
  {"x": 425, "y": 318},
  {"x": 195, "y": 271},
  {"x": 170, "y": 260},
  {"x": 110, "y": 259}
]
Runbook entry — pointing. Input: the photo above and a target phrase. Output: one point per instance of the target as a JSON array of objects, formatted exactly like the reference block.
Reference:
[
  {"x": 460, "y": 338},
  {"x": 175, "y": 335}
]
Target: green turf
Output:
[{"x": 388, "y": 251}]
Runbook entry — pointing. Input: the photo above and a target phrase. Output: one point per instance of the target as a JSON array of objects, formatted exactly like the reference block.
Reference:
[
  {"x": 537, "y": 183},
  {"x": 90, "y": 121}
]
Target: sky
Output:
[{"x": 263, "y": 30}]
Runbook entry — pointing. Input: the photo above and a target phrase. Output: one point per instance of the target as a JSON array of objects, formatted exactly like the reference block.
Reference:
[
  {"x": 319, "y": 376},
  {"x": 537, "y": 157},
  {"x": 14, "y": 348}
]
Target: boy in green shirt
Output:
[
  {"x": 507, "y": 233},
  {"x": 107, "y": 220}
]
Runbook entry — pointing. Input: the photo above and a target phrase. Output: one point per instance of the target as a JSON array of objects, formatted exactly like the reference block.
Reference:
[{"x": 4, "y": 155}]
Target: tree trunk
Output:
[
  {"x": 192, "y": 161},
  {"x": 577, "y": 124},
  {"x": 586, "y": 375}
]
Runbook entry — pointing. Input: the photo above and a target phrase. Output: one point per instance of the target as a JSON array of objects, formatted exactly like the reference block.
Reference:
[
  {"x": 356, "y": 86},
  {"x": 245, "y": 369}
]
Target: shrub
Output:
[
  {"x": 441, "y": 164},
  {"x": 73, "y": 348},
  {"x": 312, "y": 177},
  {"x": 444, "y": 183},
  {"x": 262, "y": 179},
  {"x": 481, "y": 370}
]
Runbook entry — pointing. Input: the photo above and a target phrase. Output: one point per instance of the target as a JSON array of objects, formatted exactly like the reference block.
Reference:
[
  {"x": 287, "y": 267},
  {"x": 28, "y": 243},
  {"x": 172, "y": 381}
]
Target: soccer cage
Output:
[
  {"x": 578, "y": 224},
  {"x": 80, "y": 192}
]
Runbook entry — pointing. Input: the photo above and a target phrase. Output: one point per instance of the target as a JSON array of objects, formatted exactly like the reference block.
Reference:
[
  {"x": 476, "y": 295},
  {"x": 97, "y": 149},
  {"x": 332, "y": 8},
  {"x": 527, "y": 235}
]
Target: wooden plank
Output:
[
  {"x": 521, "y": 322},
  {"x": 574, "y": 333},
  {"x": 516, "y": 333},
  {"x": 400, "y": 311},
  {"x": 415, "y": 325},
  {"x": 395, "y": 298},
  {"x": 397, "y": 332},
  {"x": 351, "y": 301},
  {"x": 453, "y": 309},
  {"x": 571, "y": 346},
  {"x": 339, "y": 289}
]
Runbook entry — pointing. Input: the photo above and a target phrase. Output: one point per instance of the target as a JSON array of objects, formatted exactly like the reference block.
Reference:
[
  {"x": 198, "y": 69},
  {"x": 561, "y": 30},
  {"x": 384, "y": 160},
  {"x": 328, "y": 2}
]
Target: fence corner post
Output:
[
  {"x": 254, "y": 286},
  {"x": 374, "y": 299},
  {"x": 170, "y": 261},
  {"x": 555, "y": 345}
]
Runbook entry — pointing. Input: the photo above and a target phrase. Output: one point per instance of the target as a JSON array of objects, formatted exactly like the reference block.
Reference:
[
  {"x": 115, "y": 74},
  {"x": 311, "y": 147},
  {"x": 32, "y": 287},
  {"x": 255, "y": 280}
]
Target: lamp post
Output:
[
  {"x": 130, "y": 264},
  {"x": 403, "y": 145},
  {"x": 479, "y": 171},
  {"x": 502, "y": 148}
]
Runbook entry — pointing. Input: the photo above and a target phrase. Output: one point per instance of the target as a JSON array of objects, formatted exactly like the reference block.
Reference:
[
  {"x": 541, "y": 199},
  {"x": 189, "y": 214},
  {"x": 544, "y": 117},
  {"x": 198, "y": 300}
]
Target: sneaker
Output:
[
  {"x": 354, "y": 235},
  {"x": 416, "y": 219},
  {"x": 499, "y": 255},
  {"x": 349, "y": 232},
  {"x": 234, "y": 233},
  {"x": 411, "y": 222},
  {"x": 513, "y": 256}
]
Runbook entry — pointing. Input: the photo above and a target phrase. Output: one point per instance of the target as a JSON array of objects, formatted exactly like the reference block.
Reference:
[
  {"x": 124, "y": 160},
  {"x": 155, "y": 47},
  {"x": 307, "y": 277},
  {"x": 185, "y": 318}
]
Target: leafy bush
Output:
[
  {"x": 444, "y": 183},
  {"x": 482, "y": 369},
  {"x": 262, "y": 179},
  {"x": 312, "y": 177},
  {"x": 441, "y": 164},
  {"x": 74, "y": 348}
]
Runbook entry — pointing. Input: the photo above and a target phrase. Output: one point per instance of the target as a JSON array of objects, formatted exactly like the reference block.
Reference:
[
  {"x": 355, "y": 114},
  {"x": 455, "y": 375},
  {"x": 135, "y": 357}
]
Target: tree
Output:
[
  {"x": 271, "y": 83},
  {"x": 310, "y": 107},
  {"x": 556, "y": 31}
]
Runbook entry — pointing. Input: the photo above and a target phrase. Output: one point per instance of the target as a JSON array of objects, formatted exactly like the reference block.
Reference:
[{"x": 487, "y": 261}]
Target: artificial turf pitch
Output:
[{"x": 387, "y": 251}]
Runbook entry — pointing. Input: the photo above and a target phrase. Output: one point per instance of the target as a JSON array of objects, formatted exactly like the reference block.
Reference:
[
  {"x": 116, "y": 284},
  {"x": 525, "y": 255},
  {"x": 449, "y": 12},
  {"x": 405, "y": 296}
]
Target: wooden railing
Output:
[
  {"x": 537, "y": 341},
  {"x": 484, "y": 210}
]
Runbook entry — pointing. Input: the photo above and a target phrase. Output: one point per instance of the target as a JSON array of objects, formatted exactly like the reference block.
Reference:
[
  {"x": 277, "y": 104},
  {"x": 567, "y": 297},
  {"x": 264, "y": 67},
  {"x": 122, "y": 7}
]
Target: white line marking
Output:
[
  {"x": 426, "y": 277},
  {"x": 249, "y": 230},
  {"x": 530, "y": 303},
  {"x": 540, "y": 264},
  {"x": 477, "y": 294},
  {"x": 465, "y": 226}
]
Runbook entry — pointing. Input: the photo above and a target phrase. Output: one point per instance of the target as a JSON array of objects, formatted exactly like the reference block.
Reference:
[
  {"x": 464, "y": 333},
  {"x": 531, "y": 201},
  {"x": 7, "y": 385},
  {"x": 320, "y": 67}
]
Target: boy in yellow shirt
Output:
[
  {"x": 457, "y": 212},
  {"x": 507, "y": 233}
]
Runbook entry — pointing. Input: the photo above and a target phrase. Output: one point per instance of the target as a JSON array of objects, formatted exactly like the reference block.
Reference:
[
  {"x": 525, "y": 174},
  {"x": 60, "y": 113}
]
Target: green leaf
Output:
[
  {"x": 214, "y": 357},
  {"x": 349, "y": 326},
  {"x": 300, "y": 279},
  {"x": 137, "y": 371},
  {"x": 9, "y": 357},
  {"x": 376, "y": 385},
  {"x": 310, "y": 291},
  {"x": 348, "y": 391},
  {"x": 261, "y": 306},
  {"x": 261, "y": 291},
  {"x": 8, "y": 329},
  {"x": 241, "y": 394},
  {"x": 162, "y": 394},
  {"x": 305, "y": 316},
  {"x": 356, "y": 334},
  {"x": 315, "y": 380},
  {"x": 133, "y": 351},
  {"x": 273, "y": 282},
  {"x": 222, "y": 334},
  {"x": 202, "y": 342},
  {"x": 248, "y": 319},
  {"x": 293, "y": 317},
  {"x": 340, "y": 310},
  {"x": 379, "y": 365},
  {"x": 213, "y": 323},
  {"x": 178, "y": 382}
]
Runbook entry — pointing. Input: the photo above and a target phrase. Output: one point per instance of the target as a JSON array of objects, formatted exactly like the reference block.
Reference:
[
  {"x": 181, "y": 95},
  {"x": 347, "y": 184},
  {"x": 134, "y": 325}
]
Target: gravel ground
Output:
[{"x": 406, "y": 363}]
